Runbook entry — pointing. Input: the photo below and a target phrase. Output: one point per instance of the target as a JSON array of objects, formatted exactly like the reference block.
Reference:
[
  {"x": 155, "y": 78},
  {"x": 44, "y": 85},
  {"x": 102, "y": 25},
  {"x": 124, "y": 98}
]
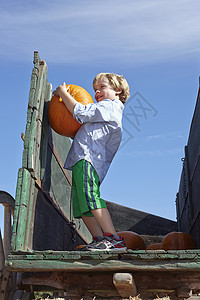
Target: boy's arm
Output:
[{"x": 68, "y": 100}]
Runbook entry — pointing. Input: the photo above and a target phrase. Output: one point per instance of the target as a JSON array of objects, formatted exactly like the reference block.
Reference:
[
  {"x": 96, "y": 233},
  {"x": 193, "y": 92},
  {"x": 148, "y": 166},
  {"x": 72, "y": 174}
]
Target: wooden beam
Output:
[
  {"x": 125, "y": 284},
  {"x": 95, "y": 265},
  {"x": 150, "y": 285},
  {"x": 2, "y": 257},
  {"x": 75, "y": 285}
]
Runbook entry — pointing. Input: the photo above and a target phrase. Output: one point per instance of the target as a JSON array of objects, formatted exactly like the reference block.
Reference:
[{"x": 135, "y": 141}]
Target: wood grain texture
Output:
[{"x": 149, "y": 285}]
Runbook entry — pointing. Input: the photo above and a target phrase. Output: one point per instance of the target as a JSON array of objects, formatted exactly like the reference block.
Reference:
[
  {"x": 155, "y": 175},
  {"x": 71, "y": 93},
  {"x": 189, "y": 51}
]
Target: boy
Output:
[{"x": 91, "y": 153}]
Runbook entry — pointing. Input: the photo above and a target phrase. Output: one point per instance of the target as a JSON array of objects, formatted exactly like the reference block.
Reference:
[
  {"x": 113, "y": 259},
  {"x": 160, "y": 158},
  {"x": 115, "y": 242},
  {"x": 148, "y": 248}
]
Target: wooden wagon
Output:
[{"x": 41, "y": 256}]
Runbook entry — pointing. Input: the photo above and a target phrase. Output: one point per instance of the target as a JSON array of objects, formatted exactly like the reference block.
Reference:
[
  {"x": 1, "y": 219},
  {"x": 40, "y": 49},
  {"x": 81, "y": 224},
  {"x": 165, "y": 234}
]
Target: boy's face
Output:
[{"x": 103, "y": 90}]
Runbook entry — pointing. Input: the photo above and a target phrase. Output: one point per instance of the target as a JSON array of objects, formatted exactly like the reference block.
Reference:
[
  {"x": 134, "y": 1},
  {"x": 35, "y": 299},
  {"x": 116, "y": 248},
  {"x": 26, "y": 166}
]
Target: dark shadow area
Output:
[{"x": 125, "y": 218}]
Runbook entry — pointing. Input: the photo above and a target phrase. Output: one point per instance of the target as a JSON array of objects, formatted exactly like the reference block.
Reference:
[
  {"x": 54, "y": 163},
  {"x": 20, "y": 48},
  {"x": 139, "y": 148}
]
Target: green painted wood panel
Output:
[
  {"x": 104, "y": 261},
  {"x": 21, "y": 209},
  {"x": 44, "y": 187}
]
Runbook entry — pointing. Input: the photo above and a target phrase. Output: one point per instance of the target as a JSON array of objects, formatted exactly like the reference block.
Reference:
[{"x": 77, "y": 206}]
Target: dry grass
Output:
[{"x": 138, "y": 298}]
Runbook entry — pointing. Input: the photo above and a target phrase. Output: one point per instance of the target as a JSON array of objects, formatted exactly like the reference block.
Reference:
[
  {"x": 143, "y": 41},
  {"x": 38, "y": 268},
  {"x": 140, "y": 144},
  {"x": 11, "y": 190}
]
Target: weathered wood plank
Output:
[
  {"x": 41, "y": 86},
  {"x": 40, "y": 108},
  {"x": 26, "y": 139},
  {"x": 94, "y": 284},
  {"x": 150, "y": 285},
  {"x": 34, "y": 78},
  {"x": 30, "y": 218},
  {"x": 36, "y": 154},
  {"x": 32, "y": 139},
  {"x": 189, "y": 255},
  {"x": 35, "y": 101},
  {"x": 34, "y": 114},
  {"x": 35, "y": 127},
  {"x": 43, "y": 93},
  {"x": 23, "y": 210},
  {"x": 103, "y": 265},
  {"x": 38, "y": 148},
  {"x": 17, "y": 208}
]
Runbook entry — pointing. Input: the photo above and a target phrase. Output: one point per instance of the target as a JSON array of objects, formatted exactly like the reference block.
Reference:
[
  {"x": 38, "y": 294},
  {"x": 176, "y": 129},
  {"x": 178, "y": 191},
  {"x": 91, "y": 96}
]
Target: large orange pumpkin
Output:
[
  {"x": 178, "y": 241},
  {"x": 60, "y": 119},
  {"x": 132, "y": 240}
]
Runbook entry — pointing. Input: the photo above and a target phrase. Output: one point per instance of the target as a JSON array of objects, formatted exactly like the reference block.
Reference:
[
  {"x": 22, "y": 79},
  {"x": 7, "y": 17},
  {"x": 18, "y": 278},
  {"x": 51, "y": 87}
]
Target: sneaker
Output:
[
  {"x": 95, "y": 240},
  {"x": 109, "y": 242}
]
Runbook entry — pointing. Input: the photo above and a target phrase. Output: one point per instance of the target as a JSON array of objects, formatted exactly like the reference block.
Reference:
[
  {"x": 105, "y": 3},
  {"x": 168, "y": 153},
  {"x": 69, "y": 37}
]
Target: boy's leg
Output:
[
  {"x": 92, "y": 225},
  {"x": 110, "y": 241},
  {"x": 103, "y": 218},
  {"x": 91, "y": 207},
  {"x": 100, "y": 223},
  {"x": 86, "y": 196}
]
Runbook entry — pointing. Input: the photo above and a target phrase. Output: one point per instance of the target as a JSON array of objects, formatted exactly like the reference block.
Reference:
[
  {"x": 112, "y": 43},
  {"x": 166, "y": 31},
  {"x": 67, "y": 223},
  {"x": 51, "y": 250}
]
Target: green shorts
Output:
[{"x": 85, "y": 189}]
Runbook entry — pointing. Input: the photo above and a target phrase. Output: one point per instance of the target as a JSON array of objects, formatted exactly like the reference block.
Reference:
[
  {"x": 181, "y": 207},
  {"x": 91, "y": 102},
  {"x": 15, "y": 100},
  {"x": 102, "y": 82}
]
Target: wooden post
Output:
[
  {"x": 125, "y": 284},
  {"x": 7, "y": 229},
  {"x": 2, "y": 258}
]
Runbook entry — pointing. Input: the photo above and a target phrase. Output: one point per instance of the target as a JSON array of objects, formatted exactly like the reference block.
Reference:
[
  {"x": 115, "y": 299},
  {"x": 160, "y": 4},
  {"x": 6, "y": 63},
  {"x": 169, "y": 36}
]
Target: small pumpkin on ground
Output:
[
  {"x": 79, "y": 247},
  {"x": 60, "y": 119},
  {"x": 155, "y": 246},
  {"x": 178, "y": 241},
  {"x": 132, "y": 240}
]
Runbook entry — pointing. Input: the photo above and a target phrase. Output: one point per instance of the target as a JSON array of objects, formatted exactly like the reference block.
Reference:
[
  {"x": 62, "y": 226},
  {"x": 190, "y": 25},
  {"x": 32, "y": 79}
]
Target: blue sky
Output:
[{"x": 154, "y": 44}]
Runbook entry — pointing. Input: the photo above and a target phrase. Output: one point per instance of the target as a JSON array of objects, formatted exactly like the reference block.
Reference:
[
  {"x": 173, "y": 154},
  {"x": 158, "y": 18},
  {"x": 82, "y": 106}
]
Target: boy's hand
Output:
[
  {"x": 68, "y": 100},
  {"x": 61, "y": 90}
]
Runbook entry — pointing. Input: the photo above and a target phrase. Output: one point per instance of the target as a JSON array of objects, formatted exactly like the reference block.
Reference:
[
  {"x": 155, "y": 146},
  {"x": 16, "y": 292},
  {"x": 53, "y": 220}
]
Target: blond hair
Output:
[{"x": 117, "y": 82}]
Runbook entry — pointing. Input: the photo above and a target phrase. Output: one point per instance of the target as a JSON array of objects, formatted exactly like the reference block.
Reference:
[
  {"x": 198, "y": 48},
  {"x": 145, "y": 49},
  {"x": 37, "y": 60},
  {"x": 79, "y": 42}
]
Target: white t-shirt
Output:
[{"x": 99, "y": 137}]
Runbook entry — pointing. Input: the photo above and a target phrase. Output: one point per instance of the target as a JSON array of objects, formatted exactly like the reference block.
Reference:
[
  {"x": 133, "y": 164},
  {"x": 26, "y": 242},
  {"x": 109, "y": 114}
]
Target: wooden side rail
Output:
[
  {"x": 8, "y": 202},
  {"x": 2, "y": 258}
]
